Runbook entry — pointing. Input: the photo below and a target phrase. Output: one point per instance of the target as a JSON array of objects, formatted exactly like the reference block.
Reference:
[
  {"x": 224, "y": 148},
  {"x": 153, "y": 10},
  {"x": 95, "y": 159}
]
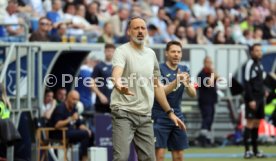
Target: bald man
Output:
[{"x": 65, "y": 115}]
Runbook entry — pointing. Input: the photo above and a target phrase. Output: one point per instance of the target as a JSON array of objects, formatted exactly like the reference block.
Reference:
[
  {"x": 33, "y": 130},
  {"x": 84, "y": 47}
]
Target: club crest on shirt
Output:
[{"x": 104, "y": 68}]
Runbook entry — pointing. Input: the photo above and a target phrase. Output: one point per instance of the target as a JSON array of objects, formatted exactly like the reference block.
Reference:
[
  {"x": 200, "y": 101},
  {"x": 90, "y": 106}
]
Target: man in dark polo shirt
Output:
[{"x": 65, "y": 115}]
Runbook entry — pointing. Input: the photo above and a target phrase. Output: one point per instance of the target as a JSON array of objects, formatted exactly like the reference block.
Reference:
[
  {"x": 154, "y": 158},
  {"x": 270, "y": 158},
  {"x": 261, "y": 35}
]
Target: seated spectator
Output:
[
  {"x": 37, "y": 7},
  {"x": 191, "y": 35},
  {"x": 267, "y": 28},
  {"x": 65, "y": 115},
  {"x": 228, "y": 36},
  {"x": 92, "y": 13},
  {"x": 161, "y": 21},
  {"x": 247, "y": 24},
  {"x": 200, "y": 38},
  {"x": 181, "y": 34},
  {"x": 247, "y": 38},
  {"x": 136, "y": 10},
  {"x": 42, "y": 34},
  {"x": 180, "y": 5},
  {"x": 49, "y": 105},
  {"x": 219, "y": 38},
  {"x": 3, "y": 5},
  {"x": 119, "y": 22},
  {"x": 178, "y": 17},
  {"x": 69, "y": 12},
  {"x": 56, "y": 15},
  {"x": 60, "y": 95},
  {"x": 258, "y": 35},
  {"x": 208, "y": 33},
  {"x": 201, "y": 10},
  {"x": 170, "y": 34},
  {"x": 108, "y": 34},
  {"x": 61, "y": 33},
  {"x": 11, "y": 17},
  {"x": 81, "y": 26},
  {"x": 153, "y": 37}
]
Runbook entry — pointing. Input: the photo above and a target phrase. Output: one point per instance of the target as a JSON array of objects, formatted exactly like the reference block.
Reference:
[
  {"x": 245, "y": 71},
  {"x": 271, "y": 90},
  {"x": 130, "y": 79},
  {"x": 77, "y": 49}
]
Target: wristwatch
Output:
[{"x": 170, "y": 111}]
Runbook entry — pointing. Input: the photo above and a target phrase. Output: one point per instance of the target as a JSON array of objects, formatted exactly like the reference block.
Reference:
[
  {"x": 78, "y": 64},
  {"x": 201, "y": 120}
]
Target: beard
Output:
[{"x": 137, "y": 41}]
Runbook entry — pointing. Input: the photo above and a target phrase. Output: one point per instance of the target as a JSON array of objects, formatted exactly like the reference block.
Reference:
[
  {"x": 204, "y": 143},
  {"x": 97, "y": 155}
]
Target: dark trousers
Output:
[
  {"x": 76, "y": 136},
  {"x": 207, "y": 114}
]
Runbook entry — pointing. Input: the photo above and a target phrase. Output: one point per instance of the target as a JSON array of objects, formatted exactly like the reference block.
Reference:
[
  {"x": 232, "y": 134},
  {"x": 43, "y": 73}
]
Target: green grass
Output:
[{"x": 226, "y": 150}]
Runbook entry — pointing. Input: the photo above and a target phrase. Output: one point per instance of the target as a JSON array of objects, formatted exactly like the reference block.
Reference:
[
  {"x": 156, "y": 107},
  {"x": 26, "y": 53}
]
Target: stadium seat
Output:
[{"x": 45, "y": 143}]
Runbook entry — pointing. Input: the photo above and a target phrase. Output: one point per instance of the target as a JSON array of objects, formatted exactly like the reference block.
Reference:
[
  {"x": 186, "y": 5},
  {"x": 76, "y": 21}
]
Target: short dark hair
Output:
[
  {"x": 133, "y": 18},
  {"x": 253, "y": 46},
  {"x": 48, "y": 90},
  {"x": 169, "y": 44},
  {"x": 108, "y": 46},
  {"x": 268, "y": 18}
]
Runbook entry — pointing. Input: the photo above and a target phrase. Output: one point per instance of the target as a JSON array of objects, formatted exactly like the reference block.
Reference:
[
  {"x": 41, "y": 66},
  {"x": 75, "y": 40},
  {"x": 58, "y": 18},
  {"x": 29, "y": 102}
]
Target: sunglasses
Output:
[{"x": 44, "y": 24}]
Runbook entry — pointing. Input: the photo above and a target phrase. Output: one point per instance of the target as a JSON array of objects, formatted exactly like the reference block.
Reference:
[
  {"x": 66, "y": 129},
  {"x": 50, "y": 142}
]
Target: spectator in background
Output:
[
  {"x": 228, "y": 36},
  {"x": 219, "y": 38},
  {"x": 153, "y": 36},
  {"x": 56, "y": 15},
  {"x": 11, "y": 17},
  {"x": 181, "y": 35},
  {"x": 69, "y": 12},
  {"x": 208, "y": 33},
  {"x": 61, "y": 33},
  {"x": 161, "y": 21},
  {"x": 191, "y": 35},
  {"x": 170, "y": 34},
  {"x": 93, "y": 12},
  {"x": 3, "y": 5},
  {"x": 42, "y": 34},
  {"x": 81, "y": 26},
  {"x": 200, "y": 38},
  {"x": 60, "y": 95},
  {"x": 201, "y": 10},
  {"x": 207, "y": 98},
  {"x": 211, "y": 21},
  {"x": 247, "y": 24},
  {"x": 108, "y": 34},
  {"x": 258, "y": 35},
  {"x": 267, "y": 28},
  {"x": 119, "y": 22},
  {"x": 247, "y": 38},
  {"x": 103, "y": 70},
  {"x": 49, "y": 104},
  {"x": 181, "y": 4},
  {"x": 37, "y": 7},
  {"x": 66, "y": 115},
  {"x": 83, "y": 87},
  {"x": 178, "y": 17}
]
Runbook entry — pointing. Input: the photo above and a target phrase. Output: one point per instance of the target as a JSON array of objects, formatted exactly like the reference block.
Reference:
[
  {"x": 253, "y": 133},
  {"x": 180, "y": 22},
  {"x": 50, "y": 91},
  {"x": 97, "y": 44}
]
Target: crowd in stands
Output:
[{"x": 105, "y": 21}]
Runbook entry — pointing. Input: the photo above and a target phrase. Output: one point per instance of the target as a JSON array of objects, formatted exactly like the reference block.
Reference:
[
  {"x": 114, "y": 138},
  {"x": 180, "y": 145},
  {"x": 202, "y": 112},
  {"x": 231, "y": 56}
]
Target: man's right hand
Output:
[
  {"x": 125, "y": 90},
  {"x": 252, "y": 105}
]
